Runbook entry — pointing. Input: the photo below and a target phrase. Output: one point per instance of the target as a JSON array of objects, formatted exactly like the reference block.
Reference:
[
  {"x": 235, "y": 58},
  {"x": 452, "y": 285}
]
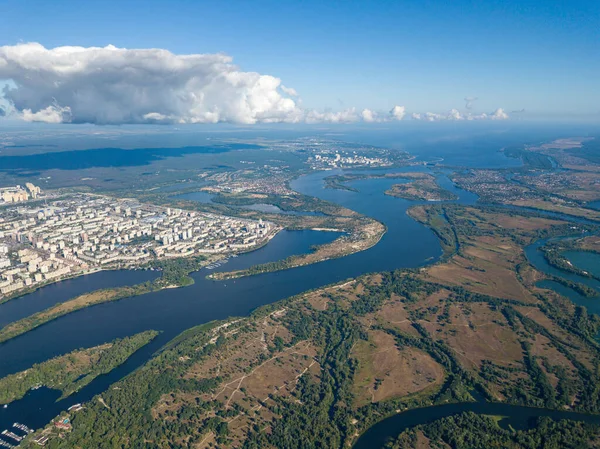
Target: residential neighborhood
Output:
[{"x": 81, "y": 233}]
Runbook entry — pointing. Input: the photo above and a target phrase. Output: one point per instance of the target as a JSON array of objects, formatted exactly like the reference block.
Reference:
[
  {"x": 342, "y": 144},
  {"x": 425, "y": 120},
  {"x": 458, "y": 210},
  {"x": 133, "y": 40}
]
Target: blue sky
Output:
[{"x": 542, "y": 55}]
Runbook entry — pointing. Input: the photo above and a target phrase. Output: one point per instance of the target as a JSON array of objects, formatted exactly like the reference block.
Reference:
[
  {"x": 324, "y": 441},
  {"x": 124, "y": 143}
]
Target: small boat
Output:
[{"x": 22, "y": 427}]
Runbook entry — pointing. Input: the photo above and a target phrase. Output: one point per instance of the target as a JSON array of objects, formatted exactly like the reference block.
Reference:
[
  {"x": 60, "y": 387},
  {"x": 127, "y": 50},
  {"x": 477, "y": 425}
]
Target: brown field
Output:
[
  {"x": 563, "y": 144},
  {"x": 591, "y": 243},
  {"x": 487, "y": 263},
  {"x": 318, "y": 300},
  {"x": 577, "y": 347},
  {"x": 80, "y": 302},
  {"x": 577, "y": 185},
  {"x": 529, "y": 276},
  {"x": 368, "y": 356},
  {"x": 419, "y": 213},
  {"x": 387, "y": 371},
  {"x": 555, "y": 207},
  {"x": 344, "y": 294},
  {"x": 424, "y": 443},
  {"x": 481, "y": 276},
  {"x": 590, "y": 168},
  {"x": 250, "y": 374},
  {"x": 522, "y": 223},
  {"x": 393, "y": 315},
  {"x": 543, "y": 348},
  {"x": 558, "y": 150},
  {"x": 476, "y": 333}
]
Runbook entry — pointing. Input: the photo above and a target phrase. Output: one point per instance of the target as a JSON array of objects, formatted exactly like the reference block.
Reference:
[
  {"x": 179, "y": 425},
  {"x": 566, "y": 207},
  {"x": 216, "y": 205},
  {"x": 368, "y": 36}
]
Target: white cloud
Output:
[
  {"x": 289, "y": 91},
  {"x": 398, "y": 112},
  {"x": 51, "y": 114},
  {"x": 368, "y": 116},
  {"x": 456, "y": 115},
  {"x": 158, "y": 117},
  {"x": 482, "y": 116},
  {"x": 432, "y": 116},
  {"x": 117, "y": 85},
  {"x": 113, "y": 85},
  {"x": 346, "y": 116},
  {"x": 499, "y": 114}
]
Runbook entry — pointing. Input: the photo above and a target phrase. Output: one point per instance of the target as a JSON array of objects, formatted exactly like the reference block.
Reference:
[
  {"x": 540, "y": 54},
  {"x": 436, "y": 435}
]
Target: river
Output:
[
  {"x": 515, "y": 416},
  {"x": 406, "y": 244},
  {"x": 583, "y": 260},
  {"x": 48, "y": 296}
]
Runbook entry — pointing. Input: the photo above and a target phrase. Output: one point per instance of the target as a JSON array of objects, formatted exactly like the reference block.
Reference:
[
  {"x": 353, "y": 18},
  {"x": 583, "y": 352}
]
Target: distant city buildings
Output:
[
  {"x": 85, "y": 232},
  {"x": 336, "y": 160},
  {"x": 326, "y": 154},
  {"x": 18, "y": 194}
]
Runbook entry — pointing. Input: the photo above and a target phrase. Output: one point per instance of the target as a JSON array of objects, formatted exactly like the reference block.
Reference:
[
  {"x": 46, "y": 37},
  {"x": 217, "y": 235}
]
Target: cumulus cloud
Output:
[
  {"x": 368, "y": 116},
  {"x": 110, "y": 85},
  {"x": 499, "y": 114},
  {"x": 115, "y": 85},
  {"x": 346, "y": 116},
  {"x": 456, "y": 115},
  {"x": 433, "y": 117},
  {"x": 52, "y": 114},
  {"x": 289, "y": 91},
  {"x": 398, "y": 112}
]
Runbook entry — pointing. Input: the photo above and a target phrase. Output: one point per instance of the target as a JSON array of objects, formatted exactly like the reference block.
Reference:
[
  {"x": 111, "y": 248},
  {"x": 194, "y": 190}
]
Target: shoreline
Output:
[
  {"x": 35, "y": 320},
  {"x": 143, "y": 267},
  {"x": 300, "y": 260}
]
